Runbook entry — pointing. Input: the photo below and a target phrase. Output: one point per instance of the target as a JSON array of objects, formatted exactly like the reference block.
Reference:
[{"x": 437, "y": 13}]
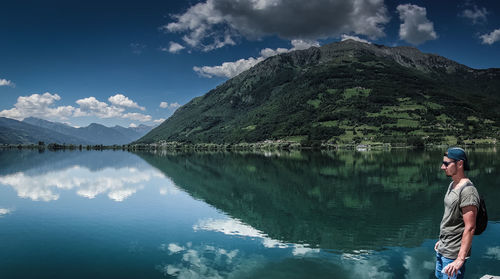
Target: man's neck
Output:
[{"x": 457, "y": 179}]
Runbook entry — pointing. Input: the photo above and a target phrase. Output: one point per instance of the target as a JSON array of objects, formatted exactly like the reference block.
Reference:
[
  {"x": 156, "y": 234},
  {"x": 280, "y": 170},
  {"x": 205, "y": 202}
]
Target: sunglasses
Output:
[{"x": 446, "y": 164}]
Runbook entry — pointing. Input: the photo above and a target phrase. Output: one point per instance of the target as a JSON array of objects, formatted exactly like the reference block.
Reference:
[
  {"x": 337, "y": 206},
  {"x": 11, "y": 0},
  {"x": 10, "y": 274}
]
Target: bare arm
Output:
[{"x": 469, "y": 214}]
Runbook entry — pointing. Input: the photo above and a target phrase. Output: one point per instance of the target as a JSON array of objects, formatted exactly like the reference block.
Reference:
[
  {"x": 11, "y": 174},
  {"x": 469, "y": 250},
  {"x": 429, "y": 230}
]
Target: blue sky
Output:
[{"x": 135, "y": 62}]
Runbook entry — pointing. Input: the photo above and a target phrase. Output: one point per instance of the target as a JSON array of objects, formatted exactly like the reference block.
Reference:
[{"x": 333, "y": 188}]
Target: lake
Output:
[{"x": 336, "y": 214}]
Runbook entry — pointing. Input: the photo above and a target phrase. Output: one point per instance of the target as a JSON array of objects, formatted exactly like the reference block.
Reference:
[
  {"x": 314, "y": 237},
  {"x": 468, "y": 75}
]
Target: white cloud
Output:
[
  {"x": 38, "y": 105},
  {"x": 355, "y": 38},
  {"x": 174, "y": 105},
  {"x": 268, "y": 52},
  {"x": 477, "y": 15},
  {"x": 42, "y": 106},
  {"x": 232, "y": 69},
  {"x": 137, "y": 116},
  {"x": 122, "y": 101},
  {"x": 169, "y": 106},
  {"x": 491, "y": 38},
  {"x": 216, "y": 23},
  {"x": 416, "y": 28},
  {"x": 4, "y": 82},
  {"x": 159, "y": 120},
  {"x": 303, "y": 44},
  {"x": 175, "y": 47},
  {"x": 91, "y": 106},
  {"x": 228, "y": 69},
  {"x": 132, "y": 125}
]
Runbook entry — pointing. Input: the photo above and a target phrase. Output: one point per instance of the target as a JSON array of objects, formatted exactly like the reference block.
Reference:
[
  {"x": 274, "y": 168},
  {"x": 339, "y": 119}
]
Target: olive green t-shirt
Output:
[{"x": 452, "y": 224}]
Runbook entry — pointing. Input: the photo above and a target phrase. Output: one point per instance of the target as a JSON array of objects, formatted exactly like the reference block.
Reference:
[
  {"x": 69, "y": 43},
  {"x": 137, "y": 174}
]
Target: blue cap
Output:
[{"x": 457, "y": 154}]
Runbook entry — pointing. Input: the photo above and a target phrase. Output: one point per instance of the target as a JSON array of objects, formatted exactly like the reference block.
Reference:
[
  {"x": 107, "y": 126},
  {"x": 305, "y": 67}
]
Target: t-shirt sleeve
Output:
[{"x": 469, "y": 196}]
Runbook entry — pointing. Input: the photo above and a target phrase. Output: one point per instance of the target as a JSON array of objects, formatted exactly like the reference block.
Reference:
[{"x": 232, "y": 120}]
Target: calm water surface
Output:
[{"x": 114, "y": 214}]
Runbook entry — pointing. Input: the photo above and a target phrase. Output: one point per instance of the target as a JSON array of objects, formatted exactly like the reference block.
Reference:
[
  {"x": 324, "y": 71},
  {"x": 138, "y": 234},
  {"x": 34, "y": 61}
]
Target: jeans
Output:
[{"x": 442, "y": 262}]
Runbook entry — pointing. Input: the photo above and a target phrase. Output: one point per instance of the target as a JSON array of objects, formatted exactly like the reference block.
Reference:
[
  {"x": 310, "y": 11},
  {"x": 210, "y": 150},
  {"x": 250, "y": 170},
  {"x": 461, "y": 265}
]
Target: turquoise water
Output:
[{"x": 115, "y": 214}]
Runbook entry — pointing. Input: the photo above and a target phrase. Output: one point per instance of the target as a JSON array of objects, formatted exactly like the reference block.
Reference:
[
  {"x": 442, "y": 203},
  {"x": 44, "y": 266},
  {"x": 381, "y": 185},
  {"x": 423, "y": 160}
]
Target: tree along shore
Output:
[{"x": 264, "y": 145}]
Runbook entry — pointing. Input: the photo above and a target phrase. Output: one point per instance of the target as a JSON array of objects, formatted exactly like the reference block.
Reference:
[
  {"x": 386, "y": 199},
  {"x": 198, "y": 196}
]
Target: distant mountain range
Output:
[
  {"x": 33, "y": 130},
  {"x": 344, "y": 93}
]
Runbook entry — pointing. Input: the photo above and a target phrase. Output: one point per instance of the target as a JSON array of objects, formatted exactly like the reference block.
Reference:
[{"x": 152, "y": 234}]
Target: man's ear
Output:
[{"x": 460, "y": 164}]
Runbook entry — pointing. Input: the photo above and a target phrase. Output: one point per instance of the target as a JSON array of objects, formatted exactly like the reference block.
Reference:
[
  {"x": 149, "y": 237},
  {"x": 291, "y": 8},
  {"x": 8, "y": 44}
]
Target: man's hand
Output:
[
  {"x": 453, "y": 268},
  {"x": 436, "y": 246}
]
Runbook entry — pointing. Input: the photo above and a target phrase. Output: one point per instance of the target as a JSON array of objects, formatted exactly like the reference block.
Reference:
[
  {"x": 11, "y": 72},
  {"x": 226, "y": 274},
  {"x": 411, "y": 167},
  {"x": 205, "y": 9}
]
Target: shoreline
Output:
[{"x": 257, "y": 146}]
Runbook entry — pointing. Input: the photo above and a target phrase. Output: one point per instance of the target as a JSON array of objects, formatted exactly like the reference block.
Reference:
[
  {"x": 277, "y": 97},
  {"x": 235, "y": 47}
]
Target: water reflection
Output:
[
  {"x": 204, "y": 261},
  {"x": 117, "y": 182},
  {"x": 237, "y": 228},
  {"x": 207, "y": 261},
  {"x": 273, "y": 215},
  {"x": 341, "y": 200},
  {"x": 493, "y": 253},
  {"x": 4, "y": 211}
]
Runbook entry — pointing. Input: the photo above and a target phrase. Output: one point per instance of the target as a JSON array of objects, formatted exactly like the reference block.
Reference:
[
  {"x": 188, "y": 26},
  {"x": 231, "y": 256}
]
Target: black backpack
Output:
[{"x": 482, "y": 214}]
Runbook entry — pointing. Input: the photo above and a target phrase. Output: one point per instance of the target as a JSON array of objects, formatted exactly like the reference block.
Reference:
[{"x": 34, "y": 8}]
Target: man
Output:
[{"x": 461, "y": 203}]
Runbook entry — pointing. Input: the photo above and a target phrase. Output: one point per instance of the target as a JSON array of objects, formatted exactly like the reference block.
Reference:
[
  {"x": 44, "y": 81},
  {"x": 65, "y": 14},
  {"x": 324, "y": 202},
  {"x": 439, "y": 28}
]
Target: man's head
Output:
[{"x": 455, "y": 161}]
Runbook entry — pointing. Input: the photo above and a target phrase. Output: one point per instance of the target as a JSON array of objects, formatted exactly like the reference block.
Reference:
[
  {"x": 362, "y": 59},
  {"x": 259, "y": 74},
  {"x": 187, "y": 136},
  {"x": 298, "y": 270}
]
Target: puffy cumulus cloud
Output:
[
  {"x": 42, "y": 106},
  {"x": 121, "y": 100},
  {"x": 227, "y": 69},
  {"x": 215, "y": 23},
  {"x": 4, "y": 82},
  {"x": 232, "y": 69},
  {"x": 38, "y": 105},
  {"x": 491, "y": 38},
  {"x": 119, "y": 184},
  {"x": 345, "y": 37},
  {"x": 158, "y": 121},
  {"x": 137, "y": 116},
  {"x": 303, "y": 44},
  {"x": 174, "y": 47},
  {"x": 476, "y": 14},
  {"x": 416, "y": 28},
  {"x": 91, "y": 106},
  {"x": 174, "y": 105}
]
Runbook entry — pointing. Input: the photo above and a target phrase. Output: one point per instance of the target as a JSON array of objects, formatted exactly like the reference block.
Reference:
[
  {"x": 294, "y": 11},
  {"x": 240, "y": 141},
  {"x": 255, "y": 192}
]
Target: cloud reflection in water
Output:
[
  {"x": 238, "y": 228},
  {"x": 119, "y": 184},
  {"x": 5, "y": 211}
]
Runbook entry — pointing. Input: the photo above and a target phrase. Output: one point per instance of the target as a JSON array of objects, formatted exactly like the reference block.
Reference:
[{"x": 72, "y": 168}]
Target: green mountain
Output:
[{"x": 344, "y": 93}]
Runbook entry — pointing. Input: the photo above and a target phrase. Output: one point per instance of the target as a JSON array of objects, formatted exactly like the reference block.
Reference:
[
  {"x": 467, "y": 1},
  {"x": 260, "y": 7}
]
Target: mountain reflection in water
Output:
[{"x": 115, "y": 214}]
